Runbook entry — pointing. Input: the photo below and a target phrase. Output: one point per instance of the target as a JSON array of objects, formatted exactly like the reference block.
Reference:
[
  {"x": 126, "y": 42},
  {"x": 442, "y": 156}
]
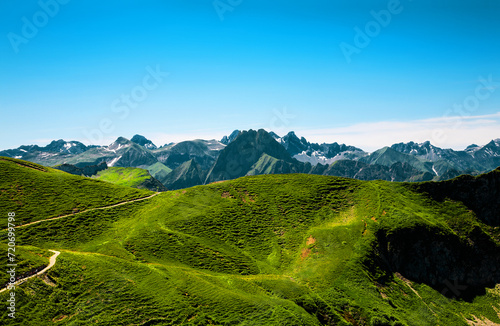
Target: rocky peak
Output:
[
  {"x": 61, "y": 146},
  {"x": 143, "y": 141},
  {"x": 293, "y": 144},
  {"x": 227, "y": 139},
  {"x": 119, "y": 143}
]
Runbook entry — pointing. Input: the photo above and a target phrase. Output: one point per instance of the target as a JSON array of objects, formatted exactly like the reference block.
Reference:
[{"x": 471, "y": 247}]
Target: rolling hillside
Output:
[
  {"x": 291, "y": 249},
  {"x": 130, "y": 177},
  {"x": 36, "y": 192}
]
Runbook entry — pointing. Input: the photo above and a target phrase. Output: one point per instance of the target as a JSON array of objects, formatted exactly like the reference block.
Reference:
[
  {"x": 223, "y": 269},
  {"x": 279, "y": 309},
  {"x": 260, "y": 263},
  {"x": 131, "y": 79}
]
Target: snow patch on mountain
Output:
[
  {"x": 68, "y": 146},
  {"x": 314, "y": 158},
  {"x": 44, "y": 155},
  {"x": 113, "y": 161},
  {"x": 116, "y": 147}
]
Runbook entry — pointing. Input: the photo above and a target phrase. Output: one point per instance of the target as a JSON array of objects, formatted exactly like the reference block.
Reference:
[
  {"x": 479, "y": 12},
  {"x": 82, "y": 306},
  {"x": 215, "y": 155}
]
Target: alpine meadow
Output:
[{"x": 290, "y": 249}]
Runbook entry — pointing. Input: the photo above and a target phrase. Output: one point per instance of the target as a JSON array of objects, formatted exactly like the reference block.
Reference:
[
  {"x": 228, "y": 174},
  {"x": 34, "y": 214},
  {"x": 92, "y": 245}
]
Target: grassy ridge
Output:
[
  {"x": 35, "y": 192},
  {"x": 261, "y": 250},
  {"x": 130, "y": 177},
  {"x": 159, "y": 171}
]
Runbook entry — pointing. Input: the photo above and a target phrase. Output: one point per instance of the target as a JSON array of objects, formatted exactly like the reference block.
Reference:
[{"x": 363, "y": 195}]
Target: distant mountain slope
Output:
[
  {"x": 363, "y": 171},
  {"x": 399, "y": 162},
  {"x": 314, "y": 153},
  {"x": 227, "y": 139},
  {"x": 130, "y": 177},
  {"x": 159, "y": 171},
  {"x": 52, "y": 154},
  {"x": 473, "y": 158},
  {"x": 186, "y": 175},
  {"x": 204, "y": 152},
  {"x": 122, "y": 153},
  {"x": 489, "y": 154},
  {"x": 267, "y": 164},
  {"x": 387, "y": 157},
  {"x": 238, "y": 158}
]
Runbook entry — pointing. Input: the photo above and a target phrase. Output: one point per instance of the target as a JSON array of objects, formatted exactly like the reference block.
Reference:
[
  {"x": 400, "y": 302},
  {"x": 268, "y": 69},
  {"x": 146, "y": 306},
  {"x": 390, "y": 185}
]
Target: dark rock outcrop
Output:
[
  {"x": 442, "y": 260},
  {"x": 143, "y": 141},
  {"x": 153, "y": 185},
  {"x": 88, "y": 170},
  {"x": 480, "y": 194}
]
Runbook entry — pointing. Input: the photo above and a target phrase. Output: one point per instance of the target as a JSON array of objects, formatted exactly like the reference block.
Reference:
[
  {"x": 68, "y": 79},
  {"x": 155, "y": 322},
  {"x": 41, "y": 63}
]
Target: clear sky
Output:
[{"x": 365, "y": 73}]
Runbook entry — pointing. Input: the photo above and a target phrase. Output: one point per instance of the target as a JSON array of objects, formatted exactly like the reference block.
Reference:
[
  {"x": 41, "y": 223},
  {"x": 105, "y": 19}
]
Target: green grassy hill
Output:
[
  {"x": 261, "y": 250},
  {"x": 35, "y": 192},
  {"x": 159, "y": 171},
  {"x": 130, "y": 177}
]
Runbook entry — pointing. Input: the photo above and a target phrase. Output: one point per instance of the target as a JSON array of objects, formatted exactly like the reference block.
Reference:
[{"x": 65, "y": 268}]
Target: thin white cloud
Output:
[
  {"x": 41, "y": 141},
  {"x": 448, "y": 132},
  {"x": 160, "y": 139}
]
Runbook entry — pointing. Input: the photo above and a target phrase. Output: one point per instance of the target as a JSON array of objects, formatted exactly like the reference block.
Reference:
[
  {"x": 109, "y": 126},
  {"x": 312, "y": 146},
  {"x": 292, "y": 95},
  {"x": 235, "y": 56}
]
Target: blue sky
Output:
[{"x": 201, "y": 68}]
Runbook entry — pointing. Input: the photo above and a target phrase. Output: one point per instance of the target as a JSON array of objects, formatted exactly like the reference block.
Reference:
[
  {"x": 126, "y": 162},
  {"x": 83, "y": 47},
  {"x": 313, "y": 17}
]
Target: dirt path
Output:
[
  {"x": 88, "y": 210},
  {"x": 52, "y": 262}
]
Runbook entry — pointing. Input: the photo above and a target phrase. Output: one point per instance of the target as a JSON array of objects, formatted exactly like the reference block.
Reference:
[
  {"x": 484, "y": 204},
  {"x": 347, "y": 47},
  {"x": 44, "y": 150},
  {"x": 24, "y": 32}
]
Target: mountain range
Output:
[{"x": 254, "y": 152}]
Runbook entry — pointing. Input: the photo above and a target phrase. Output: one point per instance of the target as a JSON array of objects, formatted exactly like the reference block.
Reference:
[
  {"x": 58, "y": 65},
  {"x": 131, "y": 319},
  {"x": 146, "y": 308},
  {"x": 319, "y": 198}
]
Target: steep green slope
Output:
[
  {"x": 244, "y": 152},
  {"x": 159, "y": 171},
  {"x": 388, "y": 156},
  {"x": 267, "y": 250},
  {"x": 480, "y": 194},
  {"x": 186, "y": 175},
  {"x": 204, "y": 152},
  {"x": 270, "y": 165},
  {"x": 35, "y": 192},
  {"x": 130, "y": 177}
]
